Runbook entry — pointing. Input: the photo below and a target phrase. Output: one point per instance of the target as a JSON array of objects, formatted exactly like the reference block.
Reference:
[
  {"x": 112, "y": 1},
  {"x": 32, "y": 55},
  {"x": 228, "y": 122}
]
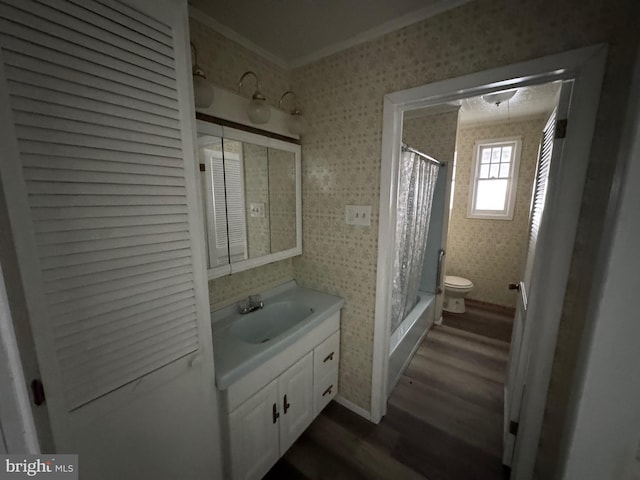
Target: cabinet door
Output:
[
  {"x": 254, "y": 434},
  {"x": 296, "y": 391}
]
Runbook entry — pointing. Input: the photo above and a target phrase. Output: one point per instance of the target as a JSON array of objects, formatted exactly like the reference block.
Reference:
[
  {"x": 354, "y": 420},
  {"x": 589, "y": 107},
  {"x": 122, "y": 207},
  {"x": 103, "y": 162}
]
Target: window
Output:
[{"x": 494, "y": 178}]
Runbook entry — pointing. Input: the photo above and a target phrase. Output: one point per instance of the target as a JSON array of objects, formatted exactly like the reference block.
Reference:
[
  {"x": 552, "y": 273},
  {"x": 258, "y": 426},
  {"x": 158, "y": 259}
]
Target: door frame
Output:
[{"x": 585, "y": 66}]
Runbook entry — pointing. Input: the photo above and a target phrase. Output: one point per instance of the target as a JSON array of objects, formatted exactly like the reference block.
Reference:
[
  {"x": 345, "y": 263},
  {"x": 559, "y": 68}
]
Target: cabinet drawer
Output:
[
  {"x": 326, "y": 356},
  {"x": 324, "y": 390}
]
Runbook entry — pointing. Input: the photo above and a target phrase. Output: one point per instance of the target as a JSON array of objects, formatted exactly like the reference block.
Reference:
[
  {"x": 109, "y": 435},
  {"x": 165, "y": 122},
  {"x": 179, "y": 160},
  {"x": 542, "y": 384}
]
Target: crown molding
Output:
[{"x": 200, "y": 16}]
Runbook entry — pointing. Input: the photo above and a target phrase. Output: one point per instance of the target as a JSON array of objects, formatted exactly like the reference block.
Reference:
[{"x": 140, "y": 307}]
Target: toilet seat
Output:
[{"x": 457, "y": 282}]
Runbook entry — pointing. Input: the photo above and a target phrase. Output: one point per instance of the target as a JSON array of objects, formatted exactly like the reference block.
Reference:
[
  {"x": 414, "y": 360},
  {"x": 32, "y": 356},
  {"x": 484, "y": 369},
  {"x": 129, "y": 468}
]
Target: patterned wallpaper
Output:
[
  {"x": 434, "y": 135},
  {"x": 224, "y": 291},
  {"x": 341, "y": 96},
  {"x": 491, "y": 253}
]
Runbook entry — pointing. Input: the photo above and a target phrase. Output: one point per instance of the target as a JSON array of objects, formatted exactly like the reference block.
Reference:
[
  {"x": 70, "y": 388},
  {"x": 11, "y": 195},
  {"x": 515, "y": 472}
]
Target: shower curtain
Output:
[{"x": 416, "y": 183}]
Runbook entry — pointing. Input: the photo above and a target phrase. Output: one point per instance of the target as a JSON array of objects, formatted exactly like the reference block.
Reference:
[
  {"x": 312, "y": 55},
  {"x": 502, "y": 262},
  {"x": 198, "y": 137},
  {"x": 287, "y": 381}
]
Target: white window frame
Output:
[{"x": 512, "y": 185}]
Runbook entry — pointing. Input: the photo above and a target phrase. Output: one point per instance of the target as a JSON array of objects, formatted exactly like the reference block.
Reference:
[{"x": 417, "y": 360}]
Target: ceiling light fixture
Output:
[
  {"x": 258, "y": 110},
  {"x": 498, "y": 97},
  {"x": 202, "y": 91},
  {"x": 296, "y": 122}
]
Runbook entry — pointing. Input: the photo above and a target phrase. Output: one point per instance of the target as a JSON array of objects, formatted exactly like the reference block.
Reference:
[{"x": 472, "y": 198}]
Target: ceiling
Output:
[
  {"x": 531, "y": 101},
  {"x": 295, "y": 32}
]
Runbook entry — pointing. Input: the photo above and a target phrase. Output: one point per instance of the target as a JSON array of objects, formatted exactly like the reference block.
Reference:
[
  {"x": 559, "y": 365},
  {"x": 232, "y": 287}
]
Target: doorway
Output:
[{"x": 585, "y": 67}]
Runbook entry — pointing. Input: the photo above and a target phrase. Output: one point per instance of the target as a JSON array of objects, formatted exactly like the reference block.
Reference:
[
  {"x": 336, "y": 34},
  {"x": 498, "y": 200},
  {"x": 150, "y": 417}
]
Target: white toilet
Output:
[{"x": 455, "y": 289}]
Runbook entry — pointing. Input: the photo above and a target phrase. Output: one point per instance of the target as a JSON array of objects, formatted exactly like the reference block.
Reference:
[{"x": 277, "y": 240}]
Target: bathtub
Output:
[{"x": 406, "y": 338}]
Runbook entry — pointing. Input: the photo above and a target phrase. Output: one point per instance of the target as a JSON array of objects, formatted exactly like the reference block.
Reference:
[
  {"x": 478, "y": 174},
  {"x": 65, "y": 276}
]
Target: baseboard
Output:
[
  {"x": 353, "y": 407},
  {"x": 439, "y": 321}
]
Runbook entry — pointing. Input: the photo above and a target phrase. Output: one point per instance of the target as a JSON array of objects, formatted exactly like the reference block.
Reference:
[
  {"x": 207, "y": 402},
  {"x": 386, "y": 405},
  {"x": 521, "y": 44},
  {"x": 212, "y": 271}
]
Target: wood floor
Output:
[{"x": 444, "y": 419}]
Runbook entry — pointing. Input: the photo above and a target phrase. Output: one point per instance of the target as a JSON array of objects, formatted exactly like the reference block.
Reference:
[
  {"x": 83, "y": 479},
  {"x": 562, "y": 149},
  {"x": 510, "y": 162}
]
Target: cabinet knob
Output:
[
  {"x": 328, "y": 358},
  {"x": 275, "y": 413},
  {"x": 328, "y": 391},
  {"x": 286, "y": 405}
]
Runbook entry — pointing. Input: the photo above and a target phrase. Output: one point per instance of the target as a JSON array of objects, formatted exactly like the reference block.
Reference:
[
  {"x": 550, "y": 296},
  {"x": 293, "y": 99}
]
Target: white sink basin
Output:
[
  {"x": 241, "y": 343},
  {"x": 269, "y": 322}
]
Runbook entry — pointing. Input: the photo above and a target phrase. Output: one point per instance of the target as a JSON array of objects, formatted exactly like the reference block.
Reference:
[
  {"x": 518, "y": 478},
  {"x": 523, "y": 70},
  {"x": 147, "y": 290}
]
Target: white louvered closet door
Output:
[{"x": 98, "y": 169}]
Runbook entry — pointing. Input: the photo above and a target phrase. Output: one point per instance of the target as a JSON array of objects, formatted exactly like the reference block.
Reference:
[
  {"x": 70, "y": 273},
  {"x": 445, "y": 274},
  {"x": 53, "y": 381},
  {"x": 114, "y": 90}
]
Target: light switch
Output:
[{"x": 358, "y": 215}]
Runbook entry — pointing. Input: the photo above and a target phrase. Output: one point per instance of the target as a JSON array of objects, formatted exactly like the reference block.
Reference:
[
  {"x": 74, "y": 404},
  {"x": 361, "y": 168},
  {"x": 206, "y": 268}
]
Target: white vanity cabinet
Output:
[
  {"x": 267, "y": 424},
  {"x": 267, "y": 409}
]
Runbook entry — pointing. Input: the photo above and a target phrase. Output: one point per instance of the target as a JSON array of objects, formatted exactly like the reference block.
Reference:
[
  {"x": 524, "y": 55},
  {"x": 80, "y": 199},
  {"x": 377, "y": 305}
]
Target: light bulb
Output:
[{"x": 259, "y": 111}]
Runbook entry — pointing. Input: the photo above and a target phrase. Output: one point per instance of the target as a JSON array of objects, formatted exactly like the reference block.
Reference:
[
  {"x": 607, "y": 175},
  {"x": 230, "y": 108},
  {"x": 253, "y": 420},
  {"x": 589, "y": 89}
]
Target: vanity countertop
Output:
[{"x": 235, "y": 358}]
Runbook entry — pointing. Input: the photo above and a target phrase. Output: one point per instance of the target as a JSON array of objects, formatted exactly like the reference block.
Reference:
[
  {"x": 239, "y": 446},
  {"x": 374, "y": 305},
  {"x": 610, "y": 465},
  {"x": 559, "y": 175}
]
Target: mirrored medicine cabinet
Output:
[{"x": 251, "y": 196}]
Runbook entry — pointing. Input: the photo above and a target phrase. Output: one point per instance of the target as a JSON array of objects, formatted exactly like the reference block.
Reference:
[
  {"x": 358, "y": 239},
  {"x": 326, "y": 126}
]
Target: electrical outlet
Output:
[{"x": 257, "y": 210}]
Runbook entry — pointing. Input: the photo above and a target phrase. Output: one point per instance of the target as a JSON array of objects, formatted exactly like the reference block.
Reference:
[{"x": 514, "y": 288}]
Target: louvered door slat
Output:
[
  {"x": 130, "y": 18},
  {"x": 29, "y": 75},
  {"x": 54, "y": 136},
  {"x": 93, "y": 95},
  {"x": 49, "y": 188},
  {"x": 73, "y": 107},
  {"x": 113, "y": 254},
  {"x": 45, "y": 55},
  {"x": 100, "y": 200},
  {"x": 106, "y": 289},
  {"x": 94, "y": 282},
  {"x": 58, "y": 124},
  {"x": 137, "y": 314},
  {"x": 120, "y": 308},
  {"x": 32, "y": 149},
  {"x": 60, "y": 38},
  {"x": 25, "y": 8},
  {"x": 79, "y": 304},
  {"x": 98, "y": 352},
  {"x": 128, "y": 119},
  {"x": 75, "y": 247},
  {"x": 135, "y": 34},
  {"x": 78, "y": 176},
  {"x": 111, "y": 334},
  {"x": 88, "y": 165},
  {"x": 56, "y": 238}
]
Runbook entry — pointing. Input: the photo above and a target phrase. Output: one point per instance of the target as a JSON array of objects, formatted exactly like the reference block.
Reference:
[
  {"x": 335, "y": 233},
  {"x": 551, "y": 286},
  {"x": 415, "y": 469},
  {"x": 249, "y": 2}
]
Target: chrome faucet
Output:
[{"x": 250, "y": 304}]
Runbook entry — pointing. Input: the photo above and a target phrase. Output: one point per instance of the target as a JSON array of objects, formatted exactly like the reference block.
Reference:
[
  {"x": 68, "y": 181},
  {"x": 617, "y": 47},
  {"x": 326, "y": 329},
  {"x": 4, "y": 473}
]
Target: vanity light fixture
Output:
[
  {"x": 498, "y": 97},
  {"x": 202, "y": 90},
  {"x": 258, "y": 110},
  {"x": 296, "y": 122}
]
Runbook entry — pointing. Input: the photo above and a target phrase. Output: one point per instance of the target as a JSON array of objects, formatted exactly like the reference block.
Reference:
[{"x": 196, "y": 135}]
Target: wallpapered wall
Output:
[
  {"x": 341, "y": 96},
  {"x": 223, "y": 62},
  {"x": 491, "y": 253}
]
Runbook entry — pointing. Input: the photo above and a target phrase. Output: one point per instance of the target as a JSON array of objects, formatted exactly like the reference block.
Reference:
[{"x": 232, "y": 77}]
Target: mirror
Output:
[{"x": 251, "y": 198}]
